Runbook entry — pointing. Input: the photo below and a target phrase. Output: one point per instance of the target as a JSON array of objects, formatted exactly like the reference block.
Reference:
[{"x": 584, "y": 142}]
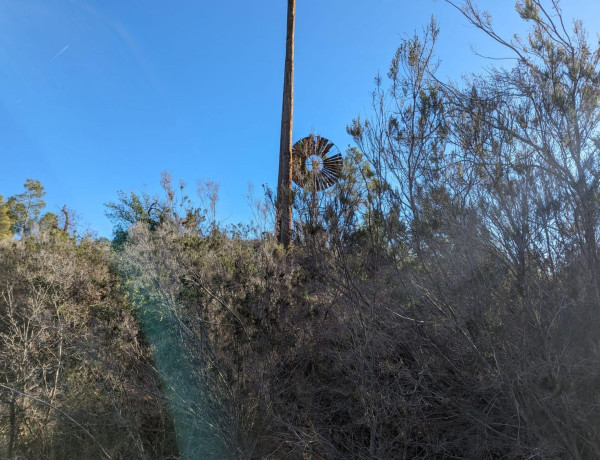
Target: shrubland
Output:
[{"x": 441, "y": 301}]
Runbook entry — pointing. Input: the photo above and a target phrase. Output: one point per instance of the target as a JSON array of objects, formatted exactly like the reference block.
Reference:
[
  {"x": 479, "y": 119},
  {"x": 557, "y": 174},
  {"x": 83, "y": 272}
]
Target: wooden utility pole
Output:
[{"x": 283, "y": 225}]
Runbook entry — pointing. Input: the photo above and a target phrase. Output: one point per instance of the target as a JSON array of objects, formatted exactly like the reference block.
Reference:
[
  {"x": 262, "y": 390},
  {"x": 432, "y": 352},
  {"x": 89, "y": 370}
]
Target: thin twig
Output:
[{"x": 41, "y": 401}]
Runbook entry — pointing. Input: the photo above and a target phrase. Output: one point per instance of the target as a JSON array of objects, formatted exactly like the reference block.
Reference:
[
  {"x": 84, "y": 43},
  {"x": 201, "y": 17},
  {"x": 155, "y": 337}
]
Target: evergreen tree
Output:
[
  {"x": 5, "y": 221},
  {"x": 49, "y": 222},
  {"x": 25, "y": 207}
]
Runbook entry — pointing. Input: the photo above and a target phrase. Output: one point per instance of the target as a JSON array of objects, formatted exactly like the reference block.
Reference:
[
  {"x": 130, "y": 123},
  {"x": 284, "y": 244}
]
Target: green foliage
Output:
[
  {"x": 153, "y": 211},
  {"x": 48, "y": 222},
  {"x": 25, "y": 208},
  {"x": 441, "y": 301},
  {"x": 5, "y": 220}
]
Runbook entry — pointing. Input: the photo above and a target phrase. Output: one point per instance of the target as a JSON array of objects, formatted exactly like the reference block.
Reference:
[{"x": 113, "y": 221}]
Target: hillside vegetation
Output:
[{"x": 441, "y": 301}]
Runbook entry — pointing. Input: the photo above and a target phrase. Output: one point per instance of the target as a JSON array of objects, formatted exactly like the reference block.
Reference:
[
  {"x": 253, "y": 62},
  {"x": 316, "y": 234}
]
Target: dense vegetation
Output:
[{"x": 442, "y": 301}]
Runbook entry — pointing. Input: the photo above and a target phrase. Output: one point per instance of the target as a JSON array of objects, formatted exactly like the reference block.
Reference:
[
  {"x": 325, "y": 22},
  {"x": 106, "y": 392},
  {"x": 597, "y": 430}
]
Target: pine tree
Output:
[
  {"x": 5, "y": 221},
  {"x": 25, "y": 207}
]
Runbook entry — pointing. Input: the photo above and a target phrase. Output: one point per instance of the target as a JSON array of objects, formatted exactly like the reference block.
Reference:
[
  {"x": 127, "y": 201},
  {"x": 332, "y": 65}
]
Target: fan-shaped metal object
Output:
[{"x": 317, "y": 163}]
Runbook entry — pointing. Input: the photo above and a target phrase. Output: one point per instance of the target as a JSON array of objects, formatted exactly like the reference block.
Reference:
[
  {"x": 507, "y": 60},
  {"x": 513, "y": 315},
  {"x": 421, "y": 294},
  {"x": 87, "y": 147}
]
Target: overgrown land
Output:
[{"x": 441, "y": 301}]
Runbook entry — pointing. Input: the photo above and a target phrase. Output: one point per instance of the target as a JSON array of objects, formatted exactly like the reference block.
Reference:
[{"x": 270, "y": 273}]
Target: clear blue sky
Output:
[{"x": 98, "y": 96}]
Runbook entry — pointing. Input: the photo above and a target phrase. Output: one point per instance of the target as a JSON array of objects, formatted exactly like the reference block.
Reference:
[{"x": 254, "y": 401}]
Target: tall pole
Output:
[{"x": 283, "y": 225}]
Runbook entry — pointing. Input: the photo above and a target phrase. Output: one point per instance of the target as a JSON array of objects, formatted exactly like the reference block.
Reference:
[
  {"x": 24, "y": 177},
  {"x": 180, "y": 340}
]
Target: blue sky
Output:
[{"x": 101, "y": 95}]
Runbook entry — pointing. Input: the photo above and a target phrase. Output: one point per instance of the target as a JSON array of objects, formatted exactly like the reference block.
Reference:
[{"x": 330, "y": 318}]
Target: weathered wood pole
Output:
[{"x": 283, "y": 225}]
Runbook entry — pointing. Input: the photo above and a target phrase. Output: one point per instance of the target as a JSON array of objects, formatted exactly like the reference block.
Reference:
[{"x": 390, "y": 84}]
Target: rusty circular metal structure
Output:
[{"x": 317, "y": 163}]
